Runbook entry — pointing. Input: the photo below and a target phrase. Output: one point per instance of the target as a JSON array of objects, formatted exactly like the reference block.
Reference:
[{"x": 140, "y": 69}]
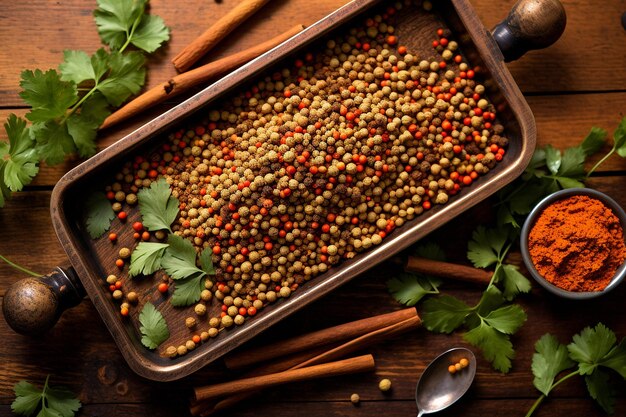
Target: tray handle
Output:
[
  {"x": 531, "y": 24},
  {"x": 33, "y": 305}
]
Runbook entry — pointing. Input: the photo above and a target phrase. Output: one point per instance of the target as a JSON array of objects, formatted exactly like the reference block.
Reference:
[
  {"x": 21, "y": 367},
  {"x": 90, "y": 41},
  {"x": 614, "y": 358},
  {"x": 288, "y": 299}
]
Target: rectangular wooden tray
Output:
[{"x": 93, "y": 261}]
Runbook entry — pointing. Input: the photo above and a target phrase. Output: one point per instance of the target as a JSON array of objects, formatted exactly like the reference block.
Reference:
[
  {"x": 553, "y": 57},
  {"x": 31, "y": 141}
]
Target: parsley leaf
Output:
[
  {"x": 496, "y": 346},
  {"x": 601, "y": 390},
  {"x": 5, "y": 193},
  {"x": 444, "y": 314},
  {"x": 486, "y": 246},
  {"x": 514, "y": 281},
  {"x": 594, "y": 141},
  {"x": 549, "y": 360},
  {"x": 409, "y": 288},
  {"x": 146, "y": 258},
  {"x": 179, "y": 261},
  {"x": 78, "y": 67},
  {"x": 99, "y": 214},
  {"x": 158, "y": 208},
  {"x": 206, "y": 261},
  {"x": 506, "y": 319},
  {"x": 120, "y": 23},
  {"x": 619, "y": 138},
  {"x": 187, "y": 291},
  {"x": 18, "y": 156},
  {"x": 57, "y": 402},
  {"x": 47, "y": 94},
  {"x": 53, "y": 141},
  {"x": 126, "y": 76},
  {"x": 153, "y": 328},
  {"x": 590, "y": 346},
  {"x": 83, "y": 125}
]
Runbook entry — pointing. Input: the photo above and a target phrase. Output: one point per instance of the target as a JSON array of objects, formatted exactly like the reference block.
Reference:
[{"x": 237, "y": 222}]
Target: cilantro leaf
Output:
[
  {"x": 496, "y": 346},
  {"x": 83, "y": 126},
  {"x": 491, "y": 299},
  {"x": 444, "y": 314},
  {"x": 146, "y": 258},
  {"x": 187, "y": 291},
  {"x": 179, "y": 261},
  {"x": 409, "y": 288},
  {"x": 590, "y": 346},
  {"x": 115, "y": 20},
  {"x": 206, "y": 261},
  {"x": 537, "y": 161},
  {"x": 619, "y": 138},
  {"x": 150, "y": 33},
  {"x": 553, "y": 159},
  {"x": 430, "y": 250},
  {"x": 47, "y": 94},
  {"x": 153, "y": 328},
  {"x": 485, "y": 247},
  {"x": 78, "y": 67},
  {"x": 506, "y": 319},
  {"x": 125, "y": 78},
  {"x": 594, "y": 141},
  {"x": 514, "y": 281},
  {"x": 56, "y": 402},
  {"x": 572, "y": 164},
  {"x": 158, "y": 208},
  {"x": 549, "y": 360},
  {"x": 601, "y": 390},
  {"x": 19, "y": 155},
  {"x": 5, "y": 193},
  {"x": 99, "y": 214},
  {"x": 616, "y": 359},
  {"x": 53, "y": 141}
]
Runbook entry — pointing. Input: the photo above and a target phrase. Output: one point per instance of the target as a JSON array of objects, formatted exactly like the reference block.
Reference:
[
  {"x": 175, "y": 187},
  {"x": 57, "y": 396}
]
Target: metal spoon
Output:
[{"x": 437, "y": 388}]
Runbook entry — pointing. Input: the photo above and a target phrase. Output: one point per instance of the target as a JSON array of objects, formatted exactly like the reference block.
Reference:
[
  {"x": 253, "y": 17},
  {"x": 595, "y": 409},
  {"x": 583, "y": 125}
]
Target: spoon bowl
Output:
[{"x": 437, "y": 388}]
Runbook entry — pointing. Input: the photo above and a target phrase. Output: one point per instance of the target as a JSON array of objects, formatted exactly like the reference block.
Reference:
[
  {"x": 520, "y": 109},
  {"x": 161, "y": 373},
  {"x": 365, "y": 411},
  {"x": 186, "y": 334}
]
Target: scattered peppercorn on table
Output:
[{"x": 79, "y": 351}]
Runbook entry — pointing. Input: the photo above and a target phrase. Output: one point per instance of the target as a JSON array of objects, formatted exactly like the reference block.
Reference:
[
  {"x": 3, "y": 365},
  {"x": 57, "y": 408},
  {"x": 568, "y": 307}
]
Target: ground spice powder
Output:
[{"x": 577, "y": 244}]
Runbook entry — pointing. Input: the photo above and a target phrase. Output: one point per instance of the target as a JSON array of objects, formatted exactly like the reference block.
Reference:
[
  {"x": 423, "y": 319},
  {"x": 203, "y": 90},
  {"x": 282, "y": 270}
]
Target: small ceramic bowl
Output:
[{"x": 530, "y": 222}]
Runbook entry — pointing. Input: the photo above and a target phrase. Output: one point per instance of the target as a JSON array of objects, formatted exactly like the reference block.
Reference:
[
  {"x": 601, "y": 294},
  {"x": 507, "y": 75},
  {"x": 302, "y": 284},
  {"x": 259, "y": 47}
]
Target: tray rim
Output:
[{"x": 138, "y": 362}]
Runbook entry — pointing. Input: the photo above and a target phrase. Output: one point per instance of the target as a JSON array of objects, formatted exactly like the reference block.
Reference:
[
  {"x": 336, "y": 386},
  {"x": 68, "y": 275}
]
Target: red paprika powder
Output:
[{"x": 577, "y": 244}]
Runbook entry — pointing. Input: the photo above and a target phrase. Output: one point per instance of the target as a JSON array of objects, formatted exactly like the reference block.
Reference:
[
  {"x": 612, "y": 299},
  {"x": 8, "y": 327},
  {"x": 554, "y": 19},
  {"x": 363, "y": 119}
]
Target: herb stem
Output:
[
  {"x": 20, "y": 268},
  {"x": 543, "y": 396},
  {"x": 80, "y": 102},
  {"x": 601, "y": 161},
  {"x": 129, "y": 36}
]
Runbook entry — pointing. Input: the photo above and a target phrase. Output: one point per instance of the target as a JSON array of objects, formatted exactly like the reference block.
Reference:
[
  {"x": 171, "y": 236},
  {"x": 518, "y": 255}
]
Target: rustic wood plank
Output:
[{"x": 53, "y": 27}]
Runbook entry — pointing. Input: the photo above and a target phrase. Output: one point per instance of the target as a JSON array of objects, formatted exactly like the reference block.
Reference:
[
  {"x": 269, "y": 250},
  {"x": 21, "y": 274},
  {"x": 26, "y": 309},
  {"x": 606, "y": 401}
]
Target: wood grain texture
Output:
[{"x": 80, "y": 352}]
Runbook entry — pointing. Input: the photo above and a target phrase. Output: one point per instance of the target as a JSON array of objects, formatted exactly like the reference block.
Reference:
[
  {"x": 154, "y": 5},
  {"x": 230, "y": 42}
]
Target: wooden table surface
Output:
[{"x": 577, "y": 83}]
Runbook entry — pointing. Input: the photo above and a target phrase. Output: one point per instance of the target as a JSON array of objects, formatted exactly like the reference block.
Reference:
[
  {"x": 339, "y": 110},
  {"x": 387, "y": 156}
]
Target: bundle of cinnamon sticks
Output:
[
  {"x": 310, "y": 356},
  {"x": 193, "y": 52}
]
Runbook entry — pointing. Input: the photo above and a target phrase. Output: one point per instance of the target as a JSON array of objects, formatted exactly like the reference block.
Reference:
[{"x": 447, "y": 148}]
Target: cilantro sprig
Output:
[
  {"x": 69, "y": 105},
  {"x": 153, "y": 328},
  {"x": 98, "y": 215},
  {"x": 47, "y": 402},
  {"x": 593, "y": 353},
  {"x": 410, "y": 288},
  {"x": 491, "y": 321}
]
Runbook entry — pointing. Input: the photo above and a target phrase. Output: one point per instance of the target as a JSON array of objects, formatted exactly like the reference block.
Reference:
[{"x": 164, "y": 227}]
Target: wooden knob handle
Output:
[
  {"x": 33, "y": 305},
  {"x": 531, "y": 24}
]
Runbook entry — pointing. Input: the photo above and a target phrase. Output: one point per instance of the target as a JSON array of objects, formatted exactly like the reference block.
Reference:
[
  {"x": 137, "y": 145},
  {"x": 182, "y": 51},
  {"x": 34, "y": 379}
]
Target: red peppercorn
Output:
[
  {"x": 122, "y": 215},
  {"x": 251, "y": 311},
  {"x": 112, "y": 237},
  {"x": 163, "y": 287},
  {"x": 137, "y": 226}
]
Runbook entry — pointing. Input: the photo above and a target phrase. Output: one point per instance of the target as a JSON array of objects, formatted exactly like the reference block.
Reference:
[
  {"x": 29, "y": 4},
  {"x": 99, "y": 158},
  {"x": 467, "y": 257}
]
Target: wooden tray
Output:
[{"x": 93, "y": 261}]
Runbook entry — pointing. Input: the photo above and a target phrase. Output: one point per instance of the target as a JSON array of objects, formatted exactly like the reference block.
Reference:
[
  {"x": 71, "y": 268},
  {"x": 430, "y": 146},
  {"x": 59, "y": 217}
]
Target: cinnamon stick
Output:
[
  {"x": 447, "y": 270},
  {"x": 351, "y": 346},
  {"x": 347, "y": 366},
  {"x": 183, "y": 82},
  {"x": 205, "y": 42},
  {"x": 347, "y": 331}
]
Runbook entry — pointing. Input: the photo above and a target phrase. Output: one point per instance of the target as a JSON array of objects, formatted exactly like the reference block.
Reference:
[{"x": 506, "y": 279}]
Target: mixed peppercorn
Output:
[{"x": 316, "y": 163}]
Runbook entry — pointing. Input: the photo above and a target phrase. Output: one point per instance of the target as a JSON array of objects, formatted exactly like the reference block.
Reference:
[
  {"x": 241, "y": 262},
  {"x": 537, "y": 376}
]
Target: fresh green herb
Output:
[
  {"x": 157, "y": 206},
  {"x": 551, "y": 170},
  {"x": 18, "y": 158},
  {"x": 490, "y": 322},
  {"x": 51, "y": 402},
  {"x": 123, "y": 22},
  {"x": 146, "y": 258},
  {"x": 99, "y": 214},
  {"x": 153, "y": 328},
  {"x": 20, "y": 267},
  {"x": 68, "y": 106},
  {"x": 596, "y": 355},
  {"x": 410, "y": 288},
  {"x": 179, "y": 262}
]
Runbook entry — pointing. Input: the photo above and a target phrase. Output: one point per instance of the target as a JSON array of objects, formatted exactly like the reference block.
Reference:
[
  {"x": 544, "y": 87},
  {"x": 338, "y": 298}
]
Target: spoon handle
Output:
[{"x": 420, "y": 413}]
